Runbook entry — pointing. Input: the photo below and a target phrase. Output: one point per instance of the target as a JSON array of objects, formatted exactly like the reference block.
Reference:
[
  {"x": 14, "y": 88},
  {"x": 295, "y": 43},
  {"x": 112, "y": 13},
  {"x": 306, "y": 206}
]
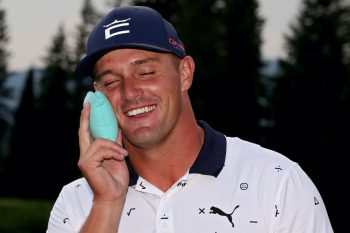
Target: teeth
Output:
[{"x": 141, "y": 110}]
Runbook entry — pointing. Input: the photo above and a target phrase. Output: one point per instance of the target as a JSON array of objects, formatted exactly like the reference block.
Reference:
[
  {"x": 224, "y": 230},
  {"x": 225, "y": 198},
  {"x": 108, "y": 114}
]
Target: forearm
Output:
[{"x": 104, "y": 217}]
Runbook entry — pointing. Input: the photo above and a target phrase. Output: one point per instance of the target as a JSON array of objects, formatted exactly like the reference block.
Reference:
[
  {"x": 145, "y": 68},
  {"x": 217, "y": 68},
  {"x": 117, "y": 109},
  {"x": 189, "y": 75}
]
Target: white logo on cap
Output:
[{"x": 116, "y": 24}]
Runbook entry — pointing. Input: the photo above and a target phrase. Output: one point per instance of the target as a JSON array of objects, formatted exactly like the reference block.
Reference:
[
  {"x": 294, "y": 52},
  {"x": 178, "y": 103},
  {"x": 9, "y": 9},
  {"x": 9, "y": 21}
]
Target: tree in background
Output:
[
  {"x": 58, "y": 151},
  {"x": 242, "y": 79},
  {"x": 89, "y": 18},
  {"x": 168, "y": 9},
  {"x": 24, "y": 146},
  {"x": 78, "y": 85},
  {"x": 117, "y": 3},
  {"x": 224, "y": 39},
  {"x": 311, "y": 99},
  {"x": 310, "y": 93},
  {"x": 202, "y": 28},
  {"x": 5, "y": 112}
]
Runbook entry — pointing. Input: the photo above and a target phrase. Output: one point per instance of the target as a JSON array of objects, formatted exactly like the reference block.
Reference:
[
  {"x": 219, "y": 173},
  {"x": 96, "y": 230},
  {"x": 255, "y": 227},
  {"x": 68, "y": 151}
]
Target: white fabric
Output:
[{"x": 258, "y": 191}]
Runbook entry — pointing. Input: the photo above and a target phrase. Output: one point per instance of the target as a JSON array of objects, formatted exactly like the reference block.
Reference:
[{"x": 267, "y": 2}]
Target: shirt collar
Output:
[{"x": 211, "y": 157}]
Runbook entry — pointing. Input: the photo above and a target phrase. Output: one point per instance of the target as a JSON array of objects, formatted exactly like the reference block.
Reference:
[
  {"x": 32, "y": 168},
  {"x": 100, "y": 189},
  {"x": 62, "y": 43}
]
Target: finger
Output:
[
  {"x": 108, "y": 154},
  {"x": 120, "y": 143},
  {"x": 105, "y": 145},
  {"x": 108, "y": 144},
  {"x": 119, "y": 137},
  {"x": 114, "y": 148},
  {"x": 96, "y": 159},
  {"x": 84, "y": 130}
]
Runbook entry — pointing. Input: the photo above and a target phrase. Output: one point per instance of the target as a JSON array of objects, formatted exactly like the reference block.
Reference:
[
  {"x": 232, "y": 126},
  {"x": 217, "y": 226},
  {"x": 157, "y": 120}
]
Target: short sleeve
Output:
[
  {"x": 59, "y": 221},
  {"x": 299, "y": 207},
  {"x": 71, "y": 208}
]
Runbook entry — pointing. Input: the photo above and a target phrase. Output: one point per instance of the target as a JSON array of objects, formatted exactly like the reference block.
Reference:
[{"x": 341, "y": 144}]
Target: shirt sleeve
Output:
[
  {"x": 299, "y": 207},
  {"x": 59, "y": 220},
  {"x": 71, "y": 208}
]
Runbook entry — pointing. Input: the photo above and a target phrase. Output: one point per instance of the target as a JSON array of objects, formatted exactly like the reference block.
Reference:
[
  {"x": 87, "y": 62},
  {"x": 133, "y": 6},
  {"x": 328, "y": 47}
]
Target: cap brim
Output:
[{"x": 86, "y": 65}]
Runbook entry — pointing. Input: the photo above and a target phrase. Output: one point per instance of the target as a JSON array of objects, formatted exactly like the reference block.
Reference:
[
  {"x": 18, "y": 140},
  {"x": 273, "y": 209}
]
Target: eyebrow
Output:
[
  {"x": 146, "y": 60},
  {"x": 99, "y": 75},
  {"x": 133, "y": 63}
]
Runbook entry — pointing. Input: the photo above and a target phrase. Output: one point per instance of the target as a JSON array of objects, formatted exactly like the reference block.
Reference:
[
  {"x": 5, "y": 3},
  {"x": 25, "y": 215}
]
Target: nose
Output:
[{"x": 130, "y": 89}]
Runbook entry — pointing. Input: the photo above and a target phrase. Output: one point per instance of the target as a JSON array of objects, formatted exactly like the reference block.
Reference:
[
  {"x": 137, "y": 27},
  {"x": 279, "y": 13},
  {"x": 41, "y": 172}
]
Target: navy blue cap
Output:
[{"x": 130, "y": 27}]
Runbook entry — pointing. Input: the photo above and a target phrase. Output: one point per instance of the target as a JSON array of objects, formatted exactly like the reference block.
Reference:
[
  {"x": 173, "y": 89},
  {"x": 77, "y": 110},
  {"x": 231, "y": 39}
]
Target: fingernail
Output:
[{"x": 125, "y": 152}]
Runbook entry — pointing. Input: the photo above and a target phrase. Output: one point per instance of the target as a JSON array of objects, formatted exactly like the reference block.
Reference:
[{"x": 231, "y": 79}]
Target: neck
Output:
[{"x": 165, "y": 163}]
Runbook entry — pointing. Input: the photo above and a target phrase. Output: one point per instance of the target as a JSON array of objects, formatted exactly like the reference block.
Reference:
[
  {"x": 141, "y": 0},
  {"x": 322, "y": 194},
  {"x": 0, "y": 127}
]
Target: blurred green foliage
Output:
[{"x": 24, "y": 216}]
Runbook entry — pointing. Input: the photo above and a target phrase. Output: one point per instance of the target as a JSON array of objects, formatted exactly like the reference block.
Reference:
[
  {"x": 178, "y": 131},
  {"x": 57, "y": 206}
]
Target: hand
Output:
[{"x": 102, "y": 162}]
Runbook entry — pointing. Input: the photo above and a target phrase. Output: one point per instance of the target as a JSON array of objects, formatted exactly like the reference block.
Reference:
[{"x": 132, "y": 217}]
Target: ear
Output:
[
  {"x": 187, "y": 67},
  {"x": 96, "y": 87}
]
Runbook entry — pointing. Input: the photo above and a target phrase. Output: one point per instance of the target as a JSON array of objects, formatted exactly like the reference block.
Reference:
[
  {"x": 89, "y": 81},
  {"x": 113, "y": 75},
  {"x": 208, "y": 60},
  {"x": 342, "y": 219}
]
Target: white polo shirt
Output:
[{"x": 233, "y": 186}]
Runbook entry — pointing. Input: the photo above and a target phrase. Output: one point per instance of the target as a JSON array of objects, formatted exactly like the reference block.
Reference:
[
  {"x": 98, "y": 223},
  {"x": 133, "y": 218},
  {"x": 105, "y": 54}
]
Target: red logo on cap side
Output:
[{"x": 176, "y": 44}]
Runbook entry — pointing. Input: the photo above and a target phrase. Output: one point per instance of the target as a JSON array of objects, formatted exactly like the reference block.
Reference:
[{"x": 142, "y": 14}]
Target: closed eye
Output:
[
  {"x": 109, "y": 83},
  {"x": 148, "y": 73}
]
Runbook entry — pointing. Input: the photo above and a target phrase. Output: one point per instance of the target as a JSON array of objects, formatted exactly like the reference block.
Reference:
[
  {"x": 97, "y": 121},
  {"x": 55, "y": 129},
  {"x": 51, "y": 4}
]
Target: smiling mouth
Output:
[{"x": 139, "y": 111}]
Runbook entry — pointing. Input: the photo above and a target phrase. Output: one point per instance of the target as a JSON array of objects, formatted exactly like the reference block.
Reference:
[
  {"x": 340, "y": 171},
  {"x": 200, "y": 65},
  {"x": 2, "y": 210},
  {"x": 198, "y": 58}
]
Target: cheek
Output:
[
  {"x": 154, "y": 88},
  {"x": 165, "y": 91},
  {"x": 172, "y": 94}
]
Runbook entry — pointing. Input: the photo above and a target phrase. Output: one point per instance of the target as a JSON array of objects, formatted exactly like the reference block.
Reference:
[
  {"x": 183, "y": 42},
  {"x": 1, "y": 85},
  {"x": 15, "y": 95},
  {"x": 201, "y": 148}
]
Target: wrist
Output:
[{"x": 104, "y": 216}]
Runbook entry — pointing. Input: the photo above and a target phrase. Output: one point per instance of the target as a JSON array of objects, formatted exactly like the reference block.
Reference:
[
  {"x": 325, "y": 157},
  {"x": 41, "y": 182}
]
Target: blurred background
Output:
[{"x": 276, "y": 73}]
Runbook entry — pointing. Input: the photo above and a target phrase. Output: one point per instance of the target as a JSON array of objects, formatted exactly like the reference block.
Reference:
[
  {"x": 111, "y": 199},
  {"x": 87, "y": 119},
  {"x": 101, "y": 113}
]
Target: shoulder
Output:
[
  {"x": 249, "y": 152},
  {"x": 76, "y": 195},
  {"x": 268, "y": 170},
  {"x": 77, "y": 189},
  {"x": 71, "y": 207},
  {"x": 285, "y": 192}
]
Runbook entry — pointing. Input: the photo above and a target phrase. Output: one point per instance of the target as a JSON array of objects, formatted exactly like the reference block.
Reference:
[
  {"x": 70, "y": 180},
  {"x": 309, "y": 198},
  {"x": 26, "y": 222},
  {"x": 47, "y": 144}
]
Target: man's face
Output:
[{"x": 145, "y": 90}]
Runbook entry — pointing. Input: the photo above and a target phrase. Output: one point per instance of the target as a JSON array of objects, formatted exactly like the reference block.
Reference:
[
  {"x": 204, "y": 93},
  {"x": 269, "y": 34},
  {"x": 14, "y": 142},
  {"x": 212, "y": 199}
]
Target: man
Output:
[{"x": 168, "y": 172}]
